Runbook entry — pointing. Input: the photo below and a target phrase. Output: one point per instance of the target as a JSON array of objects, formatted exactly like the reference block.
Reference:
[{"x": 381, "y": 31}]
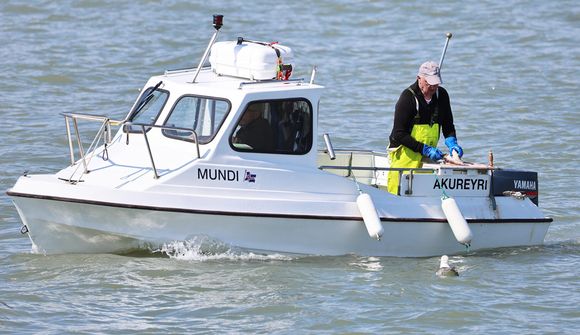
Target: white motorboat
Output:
[{"x": 230, "y": 151}]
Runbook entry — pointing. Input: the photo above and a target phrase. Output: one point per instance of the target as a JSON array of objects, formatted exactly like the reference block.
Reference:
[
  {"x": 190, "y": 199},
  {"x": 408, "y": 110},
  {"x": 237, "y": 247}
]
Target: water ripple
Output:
[{"x": 510, "y": 70}]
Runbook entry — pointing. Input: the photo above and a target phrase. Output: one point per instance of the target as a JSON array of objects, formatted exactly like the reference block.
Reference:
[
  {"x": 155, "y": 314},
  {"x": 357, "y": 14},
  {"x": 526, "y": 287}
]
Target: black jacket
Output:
[
  {"x": 406, "y": 109},
  {"x": 258, "y": 134}
]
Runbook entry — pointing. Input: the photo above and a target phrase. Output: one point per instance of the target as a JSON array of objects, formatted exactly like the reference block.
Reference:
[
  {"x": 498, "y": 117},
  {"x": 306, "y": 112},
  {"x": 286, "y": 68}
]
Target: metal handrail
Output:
[
  {"x": 192, "y": 131},
  {"x": 270, "y": 81},
  {"x": 368, "y": 168},
  {"x": 144, "y": 132},
  {"x": 87, "y": 116},
  {"x": 105, "y": 132},
  {"x": 176, "y": 71},
  {"x": 411, "y": 171},
  {"x": 104, "y": 129}
]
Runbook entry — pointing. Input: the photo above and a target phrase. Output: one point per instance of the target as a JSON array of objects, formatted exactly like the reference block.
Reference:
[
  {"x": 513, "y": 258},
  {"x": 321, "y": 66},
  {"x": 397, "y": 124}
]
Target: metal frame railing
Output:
[
  {"x": 411, "y": 171},
  {"x": 144, "y": 132},
  {"x": 375, "y": 169},
  {"x": 104, "y": 134},
  {"x": 269, "y": 81}
]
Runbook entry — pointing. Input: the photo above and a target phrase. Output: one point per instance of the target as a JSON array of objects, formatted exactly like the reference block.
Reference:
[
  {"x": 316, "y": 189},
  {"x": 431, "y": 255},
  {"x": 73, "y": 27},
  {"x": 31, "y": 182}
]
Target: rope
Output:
[
  {"x": 91, "y": 151},
  {"x": 443, "y": 194},
  {"x": 283, "y": 71}
]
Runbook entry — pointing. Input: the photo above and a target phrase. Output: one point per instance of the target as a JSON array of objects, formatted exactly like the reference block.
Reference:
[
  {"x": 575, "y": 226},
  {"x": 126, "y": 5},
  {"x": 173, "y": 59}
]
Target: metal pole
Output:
[
  {"x": 313, "y": 75},
  {"x": 80, "y": 144},
  {"x": 108, "y": 130},
  {"x": 217, "y": 24},
  {"x": 205, "y": 54},
  {"x": 448, "y": 35},
  {"x": 329, "y": 147},
  {"x": 70, "y": 143},
  {"x": 155, "y": 175},
  {"x": 196, "y": 144}
]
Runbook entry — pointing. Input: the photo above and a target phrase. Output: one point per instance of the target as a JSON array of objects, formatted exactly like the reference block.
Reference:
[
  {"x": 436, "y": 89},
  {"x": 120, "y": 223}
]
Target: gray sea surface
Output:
[{"x": 512, "y": 72}]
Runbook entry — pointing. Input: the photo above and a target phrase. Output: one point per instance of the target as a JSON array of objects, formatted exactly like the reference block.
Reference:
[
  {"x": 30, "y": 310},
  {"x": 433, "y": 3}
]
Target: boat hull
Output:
[{"x": 60, "y": 226}]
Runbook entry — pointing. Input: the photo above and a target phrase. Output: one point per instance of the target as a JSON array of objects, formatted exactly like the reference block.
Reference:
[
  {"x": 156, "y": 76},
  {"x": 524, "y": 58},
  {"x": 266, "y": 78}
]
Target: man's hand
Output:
[
  {"x": 451, "y": 143},
  {"x": 433, "y": 153}
]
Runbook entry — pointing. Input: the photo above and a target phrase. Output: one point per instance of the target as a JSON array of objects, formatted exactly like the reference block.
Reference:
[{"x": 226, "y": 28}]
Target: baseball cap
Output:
[{"x": 430, "y": 71}]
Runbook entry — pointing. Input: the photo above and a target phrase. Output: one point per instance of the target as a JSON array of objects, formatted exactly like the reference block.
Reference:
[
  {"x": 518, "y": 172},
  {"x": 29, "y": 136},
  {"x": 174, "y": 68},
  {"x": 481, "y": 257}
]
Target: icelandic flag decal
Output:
[{"x": 250, "y": 178}]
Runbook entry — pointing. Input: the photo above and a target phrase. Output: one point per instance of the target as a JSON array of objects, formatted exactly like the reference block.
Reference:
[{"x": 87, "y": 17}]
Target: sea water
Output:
[{"x": 512, "y": 73}]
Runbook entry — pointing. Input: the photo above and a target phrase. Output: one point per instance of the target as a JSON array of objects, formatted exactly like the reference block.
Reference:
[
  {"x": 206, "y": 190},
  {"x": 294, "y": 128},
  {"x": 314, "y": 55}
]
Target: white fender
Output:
[
  {"x": 370, "y": 217},
  {"x": 456, "y": 221}
]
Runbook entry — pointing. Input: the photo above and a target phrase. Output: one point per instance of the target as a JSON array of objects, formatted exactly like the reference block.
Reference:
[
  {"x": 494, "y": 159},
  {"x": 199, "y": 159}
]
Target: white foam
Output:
[{"x": 204, "y": 248}]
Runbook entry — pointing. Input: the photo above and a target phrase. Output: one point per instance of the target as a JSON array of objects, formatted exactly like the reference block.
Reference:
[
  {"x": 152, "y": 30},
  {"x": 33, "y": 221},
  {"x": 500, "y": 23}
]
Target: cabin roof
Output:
[{"x": 207, "y": 79}]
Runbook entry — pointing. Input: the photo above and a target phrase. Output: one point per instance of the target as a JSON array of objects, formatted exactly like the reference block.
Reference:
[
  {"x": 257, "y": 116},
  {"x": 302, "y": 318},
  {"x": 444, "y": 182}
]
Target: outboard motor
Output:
[{"x": 510, "y": 182}]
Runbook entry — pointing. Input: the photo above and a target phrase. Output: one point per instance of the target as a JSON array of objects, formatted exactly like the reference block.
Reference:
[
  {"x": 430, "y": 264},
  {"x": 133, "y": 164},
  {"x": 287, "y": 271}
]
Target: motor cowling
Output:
[{"x": 509, "y": 182}]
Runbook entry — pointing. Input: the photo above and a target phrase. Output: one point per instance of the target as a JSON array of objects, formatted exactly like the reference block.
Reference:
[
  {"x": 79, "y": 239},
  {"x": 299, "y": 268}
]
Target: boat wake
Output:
[{"x": 205, "y": 248}]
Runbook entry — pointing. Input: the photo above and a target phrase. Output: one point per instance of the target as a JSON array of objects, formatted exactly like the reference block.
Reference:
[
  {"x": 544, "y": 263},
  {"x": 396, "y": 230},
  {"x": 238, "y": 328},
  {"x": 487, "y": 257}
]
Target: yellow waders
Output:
[{"x": 403, "y": 157}]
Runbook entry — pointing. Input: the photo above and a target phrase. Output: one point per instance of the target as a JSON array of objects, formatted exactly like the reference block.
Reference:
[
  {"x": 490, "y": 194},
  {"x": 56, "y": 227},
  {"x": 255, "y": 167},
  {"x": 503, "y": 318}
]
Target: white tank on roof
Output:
[{"x": 252, "y": 60}]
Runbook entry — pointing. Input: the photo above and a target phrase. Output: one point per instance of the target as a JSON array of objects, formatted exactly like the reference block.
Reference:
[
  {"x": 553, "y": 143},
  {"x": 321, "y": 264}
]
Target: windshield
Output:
[
  {"x": 204, "y": 115},
  {"x": 148, "y": 108}
]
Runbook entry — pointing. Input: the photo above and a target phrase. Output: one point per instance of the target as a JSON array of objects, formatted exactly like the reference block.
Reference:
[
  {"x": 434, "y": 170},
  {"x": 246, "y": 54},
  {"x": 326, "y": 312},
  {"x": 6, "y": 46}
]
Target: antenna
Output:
[
  {"x": 313, "y": 75},
  {"x": 448, "y": 35},
  {"x": 217, "y": 24}
]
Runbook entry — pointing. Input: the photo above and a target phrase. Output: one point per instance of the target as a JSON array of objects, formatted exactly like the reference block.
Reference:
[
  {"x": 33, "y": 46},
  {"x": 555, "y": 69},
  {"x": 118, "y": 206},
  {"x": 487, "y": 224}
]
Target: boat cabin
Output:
[{"x": 230, "y": 114}]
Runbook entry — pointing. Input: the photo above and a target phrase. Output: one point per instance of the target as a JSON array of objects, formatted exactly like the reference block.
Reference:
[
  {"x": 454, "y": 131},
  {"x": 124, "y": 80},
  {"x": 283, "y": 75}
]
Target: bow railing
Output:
[{"x": 104, "y": 136}]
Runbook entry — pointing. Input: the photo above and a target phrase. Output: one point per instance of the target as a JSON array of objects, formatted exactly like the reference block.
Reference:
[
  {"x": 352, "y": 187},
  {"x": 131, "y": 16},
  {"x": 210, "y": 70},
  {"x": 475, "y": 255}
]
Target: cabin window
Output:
[
  {"x": 201, "y": 114},
  {"x": 276, "y": 126},
  {"x": 148, "y": 108}
]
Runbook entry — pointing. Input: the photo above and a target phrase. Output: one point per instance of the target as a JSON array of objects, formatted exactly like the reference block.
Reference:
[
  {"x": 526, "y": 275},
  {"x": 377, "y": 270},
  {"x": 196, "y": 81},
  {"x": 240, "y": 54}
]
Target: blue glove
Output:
[
  {"x": 451, "y": 143},
  {"x": 433, "y": 153}
]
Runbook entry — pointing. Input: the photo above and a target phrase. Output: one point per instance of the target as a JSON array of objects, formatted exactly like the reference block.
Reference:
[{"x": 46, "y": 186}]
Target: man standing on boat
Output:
[{"x": 421, "y": 111}]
